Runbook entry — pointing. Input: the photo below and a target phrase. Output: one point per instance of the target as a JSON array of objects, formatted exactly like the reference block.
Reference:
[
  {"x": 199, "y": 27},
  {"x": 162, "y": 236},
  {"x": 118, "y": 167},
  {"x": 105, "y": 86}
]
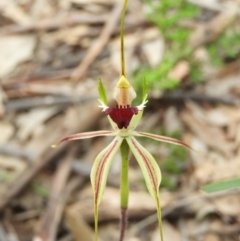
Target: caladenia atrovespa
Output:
[{"x": 124, "y": 118}]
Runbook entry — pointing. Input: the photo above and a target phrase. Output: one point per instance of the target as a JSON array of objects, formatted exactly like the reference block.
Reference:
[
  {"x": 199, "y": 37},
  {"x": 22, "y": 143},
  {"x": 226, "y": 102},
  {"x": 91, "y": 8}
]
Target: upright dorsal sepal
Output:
[{"x": 123, "y": 92}]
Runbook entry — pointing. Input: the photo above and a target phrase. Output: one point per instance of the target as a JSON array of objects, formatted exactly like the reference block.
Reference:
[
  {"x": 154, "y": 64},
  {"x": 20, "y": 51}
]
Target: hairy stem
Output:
[
  {"x": 122, "y": 37},
  {"x": 124, "y": 188}
]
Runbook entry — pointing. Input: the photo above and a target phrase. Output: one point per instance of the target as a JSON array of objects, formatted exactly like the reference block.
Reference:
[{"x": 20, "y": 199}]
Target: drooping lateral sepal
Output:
[
  {"x": 101, "y": 167},
  {"x": 100, "y": 172},
  {"x": 84, "y": 135},
  {"x": 151, "y": 173},
  {"x": 163, "y": 139},
  {"x": 148, "y": 165}
]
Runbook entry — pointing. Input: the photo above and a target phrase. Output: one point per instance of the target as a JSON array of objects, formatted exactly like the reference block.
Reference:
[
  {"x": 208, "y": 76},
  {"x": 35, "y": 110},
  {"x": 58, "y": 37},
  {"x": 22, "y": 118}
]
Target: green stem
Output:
[
  {"x": 159, "y": 215},
  {"x": 122, "y": 37},
  {"x": 124, "y": 187}
]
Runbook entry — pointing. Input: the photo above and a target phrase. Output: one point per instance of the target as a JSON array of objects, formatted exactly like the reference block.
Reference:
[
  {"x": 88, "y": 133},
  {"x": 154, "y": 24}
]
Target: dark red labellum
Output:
[{"x": 121, "y": 115}]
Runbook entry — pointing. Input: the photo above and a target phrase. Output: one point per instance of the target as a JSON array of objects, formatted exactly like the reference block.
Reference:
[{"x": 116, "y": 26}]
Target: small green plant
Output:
[
  {"x": 226, "y": 47},
  {"x": 168, "y": 15},
  {"x": 35, "y": 187}
]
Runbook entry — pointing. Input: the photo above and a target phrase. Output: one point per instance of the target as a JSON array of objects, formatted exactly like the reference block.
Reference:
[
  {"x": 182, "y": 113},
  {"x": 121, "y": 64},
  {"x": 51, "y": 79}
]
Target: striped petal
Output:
[
  {"x": 85, "y": 135},
  {"x": 162, "y": 138},
  {"x": 99, "y": 174},
  {"x": 151, "y": 173}
]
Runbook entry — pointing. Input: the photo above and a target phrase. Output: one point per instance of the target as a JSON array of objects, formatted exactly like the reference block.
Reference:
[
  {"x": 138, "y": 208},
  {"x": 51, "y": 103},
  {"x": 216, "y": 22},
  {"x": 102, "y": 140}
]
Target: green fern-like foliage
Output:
[
  {"x": 227, "y": 47},
  {"x": 168, "y": 15}
]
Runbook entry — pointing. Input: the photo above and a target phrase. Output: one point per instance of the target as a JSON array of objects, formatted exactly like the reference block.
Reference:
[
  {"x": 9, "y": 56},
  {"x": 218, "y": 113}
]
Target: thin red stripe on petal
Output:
[
  {"x": 99, "y": 172},
  {"x": 149, "y": 167},
  {"x": 151, "y": 173}
]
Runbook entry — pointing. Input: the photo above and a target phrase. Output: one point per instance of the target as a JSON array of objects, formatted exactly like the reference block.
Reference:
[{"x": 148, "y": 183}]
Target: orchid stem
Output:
[
  {"x": 96, "y": 221},
  {"x": 124, "y": 188},
  {"x": 122, "y": 38},
  {"x": 159, "y": 214}
]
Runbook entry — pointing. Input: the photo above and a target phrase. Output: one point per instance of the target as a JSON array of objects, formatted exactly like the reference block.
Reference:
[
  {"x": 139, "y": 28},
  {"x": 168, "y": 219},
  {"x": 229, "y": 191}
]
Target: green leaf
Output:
[
  {"x": 99, "y": 174},
  {"x": 151, "y": 173},
  {"x": 102, "y": 92},
  {"x": 222, "y": 185}
]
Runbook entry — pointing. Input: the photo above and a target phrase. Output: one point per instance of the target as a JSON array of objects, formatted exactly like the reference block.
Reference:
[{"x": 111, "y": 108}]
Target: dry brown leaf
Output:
[
  {"x": 180, "y": 70},
  {"x": 16, "y": 50},
  {"x": 133, "y": 239},
  {"x": 170, "y": 233},
  {"x": 205, "y": 132},
  {"x": 30, "y": 122},
  {"x": 214, "y": 5},
  {"x": 154, "y": 50},
  {"x": 228, "y": 205},
  {"x": 70, "y": 36},
  {"x": 222, "y": 86},
  {"x": 220, "y": 116},
  {"x": 110, "y": 205},
  {"x": 2, "y": 97},
  {"x": 13, "y": 164},
  {"x": 109, "y": 231},
  {"x": 14, "y": 12},
  {"x": 42, "y": 9},
  {"x": 79, "y": 228},
  {"x": 217, "y": 168},
  {"x": 107, "y": 2},
  {"x": 7, "y": 131},
  {"x": 211, "y": 237},
  {"x": 211, "y": 30}
]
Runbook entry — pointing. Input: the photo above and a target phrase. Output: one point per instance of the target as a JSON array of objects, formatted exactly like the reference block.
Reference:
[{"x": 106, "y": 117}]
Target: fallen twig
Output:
[
  {"x": 96, "y": 48},
  {"x": 179, "y": 203},
  {"x": 17, "y": 151},
  {"x": 33, "y": 102},
  {"x": 52, "y": 216},
  {"x": 186, "y": 95},
  {"x": 208, "y": 33},
  {"x": 44, "y": 155},
  {"x": 3, "y": 236},
  {"x": 54, "y": 23}
]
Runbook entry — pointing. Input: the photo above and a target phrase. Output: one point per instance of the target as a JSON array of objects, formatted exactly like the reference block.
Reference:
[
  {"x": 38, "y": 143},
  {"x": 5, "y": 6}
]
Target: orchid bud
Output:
[{"x": 124, "y": 92}]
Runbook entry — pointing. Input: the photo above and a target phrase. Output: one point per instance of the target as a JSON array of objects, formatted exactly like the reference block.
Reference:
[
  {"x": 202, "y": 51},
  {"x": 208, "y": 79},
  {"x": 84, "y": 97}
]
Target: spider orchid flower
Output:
[{"x": 124, "y": 119}]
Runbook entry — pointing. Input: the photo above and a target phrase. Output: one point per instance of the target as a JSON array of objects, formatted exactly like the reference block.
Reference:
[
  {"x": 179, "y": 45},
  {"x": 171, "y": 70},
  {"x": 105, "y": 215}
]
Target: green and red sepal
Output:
[
  {"x": 151, "y": 173},
  {"x": 100, "y": 172}
]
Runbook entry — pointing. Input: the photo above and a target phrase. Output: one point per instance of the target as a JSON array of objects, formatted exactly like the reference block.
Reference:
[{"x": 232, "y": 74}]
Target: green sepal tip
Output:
[
  {"x": 102, "y": 92},
  {"x": 145, "y": 90}
]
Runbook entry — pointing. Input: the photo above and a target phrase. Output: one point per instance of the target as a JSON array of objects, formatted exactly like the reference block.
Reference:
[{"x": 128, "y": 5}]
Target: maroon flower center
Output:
[{"x": 121, "y": 115}]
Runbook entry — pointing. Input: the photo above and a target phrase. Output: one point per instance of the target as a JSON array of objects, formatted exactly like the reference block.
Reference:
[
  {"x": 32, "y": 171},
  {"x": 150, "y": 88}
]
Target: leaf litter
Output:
[{"x": 38, "y": 64}]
